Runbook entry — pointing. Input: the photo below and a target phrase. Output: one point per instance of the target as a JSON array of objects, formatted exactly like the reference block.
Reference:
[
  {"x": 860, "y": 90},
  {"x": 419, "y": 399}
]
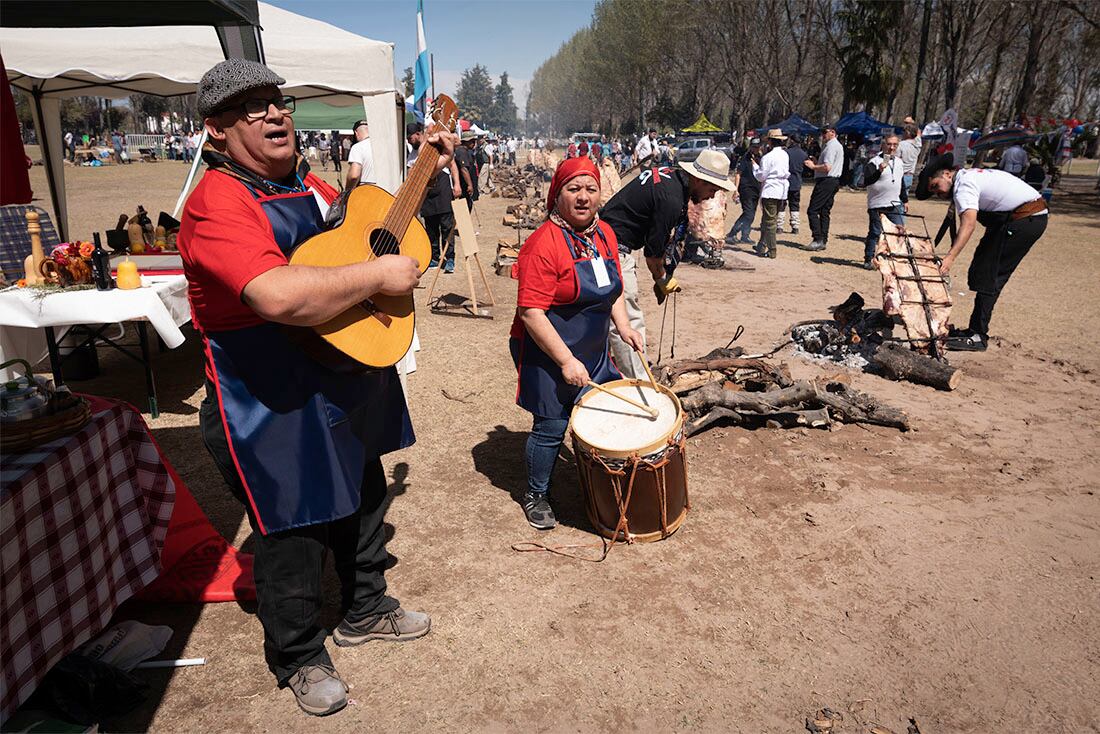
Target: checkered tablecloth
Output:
[{"x": 82, "y": 524}]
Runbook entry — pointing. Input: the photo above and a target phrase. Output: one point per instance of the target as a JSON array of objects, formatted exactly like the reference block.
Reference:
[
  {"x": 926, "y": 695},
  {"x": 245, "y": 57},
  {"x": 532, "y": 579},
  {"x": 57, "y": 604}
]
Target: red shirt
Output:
[
  {"x": 545, "y": 269},
  {"x": 225, "y": 241}
]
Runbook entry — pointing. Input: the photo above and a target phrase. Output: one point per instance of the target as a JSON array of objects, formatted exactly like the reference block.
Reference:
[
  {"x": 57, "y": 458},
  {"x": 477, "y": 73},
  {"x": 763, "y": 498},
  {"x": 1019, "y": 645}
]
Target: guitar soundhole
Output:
[{"x": 383, "y": 242}]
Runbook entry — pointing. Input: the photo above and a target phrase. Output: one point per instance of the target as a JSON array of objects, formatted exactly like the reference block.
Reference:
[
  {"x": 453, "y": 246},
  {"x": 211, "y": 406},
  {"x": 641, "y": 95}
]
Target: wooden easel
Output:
[{"x": 464, "y": 227}]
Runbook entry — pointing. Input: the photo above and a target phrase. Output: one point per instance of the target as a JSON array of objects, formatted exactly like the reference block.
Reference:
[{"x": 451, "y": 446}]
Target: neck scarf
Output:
[{"x": 219, "y": 161}]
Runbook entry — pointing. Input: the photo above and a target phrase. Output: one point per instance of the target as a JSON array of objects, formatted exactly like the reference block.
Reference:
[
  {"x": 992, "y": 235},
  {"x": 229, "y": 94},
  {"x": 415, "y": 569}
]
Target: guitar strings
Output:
[{"x": 388, "y": 243}]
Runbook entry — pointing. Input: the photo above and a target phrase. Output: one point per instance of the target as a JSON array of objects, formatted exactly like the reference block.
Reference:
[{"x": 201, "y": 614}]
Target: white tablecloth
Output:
[{"x": 162, "y": 301}]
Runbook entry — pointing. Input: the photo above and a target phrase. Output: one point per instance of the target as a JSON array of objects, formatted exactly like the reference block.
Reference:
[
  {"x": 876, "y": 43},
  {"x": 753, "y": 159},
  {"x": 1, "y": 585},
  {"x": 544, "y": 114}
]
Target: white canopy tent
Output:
[{"x": 318, "y": 60}]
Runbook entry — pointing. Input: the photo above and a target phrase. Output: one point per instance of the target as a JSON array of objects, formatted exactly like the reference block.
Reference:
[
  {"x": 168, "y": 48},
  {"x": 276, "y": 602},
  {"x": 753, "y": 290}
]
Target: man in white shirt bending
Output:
[
  {"x": 826, "y": 182},
  {"x": 884, "y": 177},
  {"x": 772, "y": 171},
  {"x": 1014, "y": 216},
  {"x": 360, "y": 158}
]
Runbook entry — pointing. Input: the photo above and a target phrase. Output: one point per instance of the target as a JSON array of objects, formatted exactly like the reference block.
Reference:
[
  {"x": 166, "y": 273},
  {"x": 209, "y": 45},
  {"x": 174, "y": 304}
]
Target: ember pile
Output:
[
  {"x": 863, "y": 339},
  {"x": 724, "y": 386}
]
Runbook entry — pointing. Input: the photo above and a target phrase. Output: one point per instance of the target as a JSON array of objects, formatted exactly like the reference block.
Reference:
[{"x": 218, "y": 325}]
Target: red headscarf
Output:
[{"x": 567, "y": 170}]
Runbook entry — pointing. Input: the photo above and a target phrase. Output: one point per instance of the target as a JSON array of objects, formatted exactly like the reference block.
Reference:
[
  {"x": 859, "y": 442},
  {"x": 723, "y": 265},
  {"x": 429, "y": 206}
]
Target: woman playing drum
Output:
[{"x": 570, "y": 289}]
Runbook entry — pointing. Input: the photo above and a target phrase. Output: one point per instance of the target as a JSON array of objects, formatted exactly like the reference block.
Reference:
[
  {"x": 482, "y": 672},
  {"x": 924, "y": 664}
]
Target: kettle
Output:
[{"x": 23, "y": 398}]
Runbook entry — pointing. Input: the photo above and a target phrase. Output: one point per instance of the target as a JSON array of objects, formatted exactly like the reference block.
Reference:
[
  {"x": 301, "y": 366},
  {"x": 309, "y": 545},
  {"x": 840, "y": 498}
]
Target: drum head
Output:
[{"x": 615, "y": 426}]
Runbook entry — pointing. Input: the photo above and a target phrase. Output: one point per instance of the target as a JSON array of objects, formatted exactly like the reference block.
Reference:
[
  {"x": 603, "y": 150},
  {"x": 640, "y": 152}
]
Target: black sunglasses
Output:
[{"x": 256, "y": 107}]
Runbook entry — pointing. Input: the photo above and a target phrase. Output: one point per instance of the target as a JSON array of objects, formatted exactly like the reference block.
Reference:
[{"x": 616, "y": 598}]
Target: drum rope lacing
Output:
[{"x": 616, "y": 469}]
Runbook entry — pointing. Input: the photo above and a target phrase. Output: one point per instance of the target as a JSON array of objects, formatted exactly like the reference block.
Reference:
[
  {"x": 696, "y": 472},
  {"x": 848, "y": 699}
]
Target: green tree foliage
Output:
[
  {"x": 408, "y": 81},
  {"x": 475, "y": 94},
  {"x": 502, "y": 114},
  {"x": 869, "y": 28}
]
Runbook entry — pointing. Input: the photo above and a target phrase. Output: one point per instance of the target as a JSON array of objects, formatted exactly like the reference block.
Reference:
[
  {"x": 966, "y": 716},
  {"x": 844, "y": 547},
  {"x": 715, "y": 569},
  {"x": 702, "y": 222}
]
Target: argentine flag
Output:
[{"x": 423, "y": 65}]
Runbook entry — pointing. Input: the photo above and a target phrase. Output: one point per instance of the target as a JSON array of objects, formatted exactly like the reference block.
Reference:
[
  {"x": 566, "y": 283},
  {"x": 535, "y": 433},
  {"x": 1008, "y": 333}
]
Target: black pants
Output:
[
  {"x": 999, "y": 253},
  {"x": 794, "y": 198},
  {"x": 289, "y": 565},
  {"x": 439, "y": 227},
  {"x": 820, "y": 206}
]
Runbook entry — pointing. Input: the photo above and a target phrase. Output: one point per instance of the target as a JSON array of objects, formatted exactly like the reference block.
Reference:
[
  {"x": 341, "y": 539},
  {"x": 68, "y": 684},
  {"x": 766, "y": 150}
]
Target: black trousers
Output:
[
  {"x": 794, "y": 198},
  {"x": 999, "y": 253},
  {"x": 289, "y": 565},
  {"x": 439, "y": 227},
  {"x": 820, "y": 206}
]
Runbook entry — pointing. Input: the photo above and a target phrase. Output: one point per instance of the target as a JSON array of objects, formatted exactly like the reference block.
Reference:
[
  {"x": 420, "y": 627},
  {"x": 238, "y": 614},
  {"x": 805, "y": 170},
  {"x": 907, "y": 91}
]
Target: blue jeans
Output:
[
  {"x": 907, "y": 181},
  {"x": 742, "y": 228},
  {"x": 542, "y": 451},
  {"x": 895, "y": 214}
]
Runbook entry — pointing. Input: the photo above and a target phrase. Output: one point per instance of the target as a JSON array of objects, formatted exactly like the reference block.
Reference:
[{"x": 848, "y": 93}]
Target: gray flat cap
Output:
[{"x": 228, "y": 79}]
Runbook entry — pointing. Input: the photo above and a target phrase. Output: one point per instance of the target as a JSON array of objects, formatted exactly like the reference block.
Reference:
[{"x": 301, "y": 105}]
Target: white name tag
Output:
[{"x": 599, "y": 269}]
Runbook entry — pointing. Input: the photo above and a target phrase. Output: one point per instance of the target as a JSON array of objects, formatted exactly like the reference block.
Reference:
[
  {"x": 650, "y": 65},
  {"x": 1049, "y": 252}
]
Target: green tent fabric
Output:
[
  {"x": 313, "y": 115},
  {"x": 702, "y": 125}
]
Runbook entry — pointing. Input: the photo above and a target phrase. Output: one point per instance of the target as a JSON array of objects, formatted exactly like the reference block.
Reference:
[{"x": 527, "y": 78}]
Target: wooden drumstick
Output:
[
  {"x": 648, "y": 372},
  {"x": 652, "y": 412}
]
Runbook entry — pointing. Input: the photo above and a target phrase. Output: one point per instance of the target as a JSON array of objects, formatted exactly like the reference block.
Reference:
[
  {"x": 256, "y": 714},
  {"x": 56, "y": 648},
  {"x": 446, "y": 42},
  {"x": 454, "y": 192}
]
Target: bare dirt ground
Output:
[{"x": 947, "y": 574}]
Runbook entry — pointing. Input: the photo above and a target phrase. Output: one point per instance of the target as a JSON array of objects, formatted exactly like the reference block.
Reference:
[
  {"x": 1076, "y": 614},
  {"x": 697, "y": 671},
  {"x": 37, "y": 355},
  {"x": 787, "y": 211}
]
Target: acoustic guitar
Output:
[{"x": 378, "y": 331}]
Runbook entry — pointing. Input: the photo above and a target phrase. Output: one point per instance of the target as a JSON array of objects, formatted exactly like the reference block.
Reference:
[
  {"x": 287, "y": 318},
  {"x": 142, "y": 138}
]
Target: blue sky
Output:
[{"x": 504, "y": 35}]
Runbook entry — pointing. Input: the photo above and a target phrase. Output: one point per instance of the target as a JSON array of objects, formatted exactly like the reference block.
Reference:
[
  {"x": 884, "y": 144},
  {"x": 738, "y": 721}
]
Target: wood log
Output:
[
  {"x": 772, "y": 401},
  {"x": 778, "y": 374},
  {"x": 715, "y": 415},
  {"x": 900, "y": 363},
  {"x": 844, "y": 403},
  {"x": 852, "y": 406}
]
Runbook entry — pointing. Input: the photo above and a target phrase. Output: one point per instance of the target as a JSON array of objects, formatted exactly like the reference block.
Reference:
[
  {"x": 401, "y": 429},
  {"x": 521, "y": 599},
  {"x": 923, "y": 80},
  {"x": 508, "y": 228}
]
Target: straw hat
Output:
[
  {"x": 776, "y": 134},
  {"x": 712, "y": 166}
]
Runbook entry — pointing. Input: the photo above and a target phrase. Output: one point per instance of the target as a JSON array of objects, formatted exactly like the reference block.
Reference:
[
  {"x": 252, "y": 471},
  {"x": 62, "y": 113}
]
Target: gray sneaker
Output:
[
  {"x": 816, "y": 246},
  {"x": 538, "y": 511},
  {"x": 398, "y": 625},
  {"x": 319, "y": 689}
]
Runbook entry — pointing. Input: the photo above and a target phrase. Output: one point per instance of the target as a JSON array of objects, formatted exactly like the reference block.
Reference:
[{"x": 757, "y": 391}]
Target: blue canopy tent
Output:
[
  {"x": 860, "y": 123},
  {"x": 797, "y": 125}
]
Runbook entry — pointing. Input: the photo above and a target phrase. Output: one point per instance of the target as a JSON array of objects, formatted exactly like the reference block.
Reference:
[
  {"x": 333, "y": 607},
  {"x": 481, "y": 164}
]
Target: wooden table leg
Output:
[
  {"x": 55, "y": 357},
  {"x": 150, "y": 386}
]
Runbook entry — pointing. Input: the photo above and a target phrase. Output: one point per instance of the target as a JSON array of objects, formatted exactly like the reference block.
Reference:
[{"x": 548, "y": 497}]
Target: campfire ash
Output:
[
  {"x": 850, "y": 338},
  {"x": 863, "y": 339}
]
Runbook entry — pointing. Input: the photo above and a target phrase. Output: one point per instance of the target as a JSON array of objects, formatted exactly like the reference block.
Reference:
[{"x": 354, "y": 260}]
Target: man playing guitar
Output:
[{"x": 298, "y": 443}]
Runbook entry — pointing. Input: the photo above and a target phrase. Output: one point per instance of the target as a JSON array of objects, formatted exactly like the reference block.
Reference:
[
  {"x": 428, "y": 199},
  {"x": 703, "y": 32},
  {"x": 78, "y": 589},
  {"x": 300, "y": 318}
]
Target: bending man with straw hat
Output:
[
  {"x": 772, "y": 172},
  {"x": 650, "y": 214}
]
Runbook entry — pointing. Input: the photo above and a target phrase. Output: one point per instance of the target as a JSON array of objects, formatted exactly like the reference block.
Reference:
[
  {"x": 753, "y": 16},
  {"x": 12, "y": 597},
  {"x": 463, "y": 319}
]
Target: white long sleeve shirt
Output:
[{"x": 772, "y": 171}]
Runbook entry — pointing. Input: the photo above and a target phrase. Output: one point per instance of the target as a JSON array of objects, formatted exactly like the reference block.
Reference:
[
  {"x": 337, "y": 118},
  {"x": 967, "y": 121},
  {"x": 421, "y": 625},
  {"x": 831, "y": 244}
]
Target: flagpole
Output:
[{"x": 432, "y": 57}]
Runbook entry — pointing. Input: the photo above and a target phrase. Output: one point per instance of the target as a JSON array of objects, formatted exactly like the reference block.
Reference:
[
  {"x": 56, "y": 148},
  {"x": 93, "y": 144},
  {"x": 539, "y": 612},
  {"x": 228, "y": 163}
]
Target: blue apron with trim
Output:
[
  {"x": 583, "y": 325},
  {"x": 300, "y": 433}
]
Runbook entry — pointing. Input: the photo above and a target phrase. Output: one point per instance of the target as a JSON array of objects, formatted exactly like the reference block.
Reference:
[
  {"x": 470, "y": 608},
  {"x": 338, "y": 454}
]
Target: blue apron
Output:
[
  {"x": 583, "y": 325},
  {"x": 300, "y": 433}
]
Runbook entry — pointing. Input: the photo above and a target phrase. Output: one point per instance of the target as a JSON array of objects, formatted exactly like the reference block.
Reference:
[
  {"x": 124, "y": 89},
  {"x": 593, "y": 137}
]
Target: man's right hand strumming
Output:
[{"x": 398, "y": 274}]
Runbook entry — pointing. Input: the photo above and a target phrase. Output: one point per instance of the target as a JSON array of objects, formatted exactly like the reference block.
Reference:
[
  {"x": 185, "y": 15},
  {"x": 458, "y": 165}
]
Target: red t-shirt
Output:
[
  {"x": 225, "y": 241},
  {"x": 546, "y": 272}
]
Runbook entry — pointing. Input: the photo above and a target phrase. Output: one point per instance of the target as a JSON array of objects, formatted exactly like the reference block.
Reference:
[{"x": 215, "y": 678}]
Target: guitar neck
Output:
[{"x": 410, "y": 197}]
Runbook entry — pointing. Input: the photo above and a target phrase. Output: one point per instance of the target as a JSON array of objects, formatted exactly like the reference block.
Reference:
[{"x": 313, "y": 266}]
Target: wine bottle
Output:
[{"x": 101, "y": 266}]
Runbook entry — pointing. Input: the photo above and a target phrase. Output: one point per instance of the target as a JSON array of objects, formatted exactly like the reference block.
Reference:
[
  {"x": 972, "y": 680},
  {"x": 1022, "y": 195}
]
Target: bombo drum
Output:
[{"x": 632, "y": 467}]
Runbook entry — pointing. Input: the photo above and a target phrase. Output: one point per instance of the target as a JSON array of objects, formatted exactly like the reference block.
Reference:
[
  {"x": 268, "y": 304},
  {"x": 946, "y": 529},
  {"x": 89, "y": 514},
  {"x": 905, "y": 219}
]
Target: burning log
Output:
[
  {"x": 862, "y": 338},
  {"x": 900, "y": 363}
]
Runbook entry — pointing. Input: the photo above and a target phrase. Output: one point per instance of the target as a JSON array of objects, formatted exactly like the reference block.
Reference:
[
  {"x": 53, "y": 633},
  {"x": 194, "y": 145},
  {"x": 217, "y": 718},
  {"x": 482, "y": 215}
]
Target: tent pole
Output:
[
  {"x": 190, "y": 176},
  {"x": 44, "y": 141}
]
